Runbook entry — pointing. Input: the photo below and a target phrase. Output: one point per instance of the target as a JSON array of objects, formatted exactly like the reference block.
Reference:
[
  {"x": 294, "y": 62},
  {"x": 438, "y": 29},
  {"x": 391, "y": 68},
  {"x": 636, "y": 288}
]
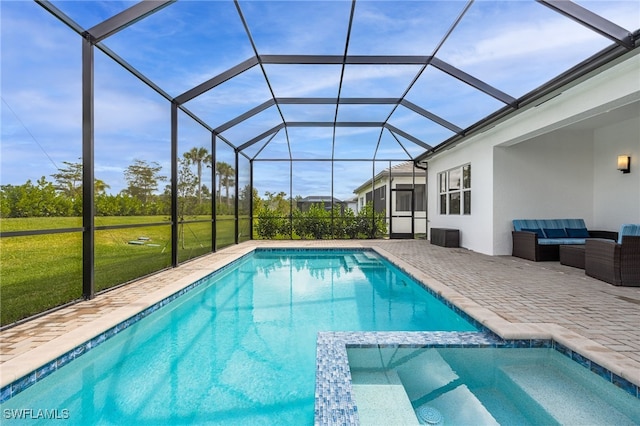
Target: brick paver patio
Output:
[{"x": 604, "y": 317}]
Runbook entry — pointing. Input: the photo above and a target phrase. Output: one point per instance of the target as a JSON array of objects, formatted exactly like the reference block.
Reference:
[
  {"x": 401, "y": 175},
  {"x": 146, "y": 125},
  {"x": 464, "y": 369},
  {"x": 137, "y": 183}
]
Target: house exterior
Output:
[
  {"x": 326, "y": 200},
  {"x": 556, "y": 158},
  {"x": 400, "y": 192}
]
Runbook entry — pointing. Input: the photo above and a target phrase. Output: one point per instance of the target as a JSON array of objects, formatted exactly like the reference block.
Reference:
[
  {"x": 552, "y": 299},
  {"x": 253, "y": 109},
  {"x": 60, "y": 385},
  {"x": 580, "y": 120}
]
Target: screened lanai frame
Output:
[{"x": 92, "y": 38}]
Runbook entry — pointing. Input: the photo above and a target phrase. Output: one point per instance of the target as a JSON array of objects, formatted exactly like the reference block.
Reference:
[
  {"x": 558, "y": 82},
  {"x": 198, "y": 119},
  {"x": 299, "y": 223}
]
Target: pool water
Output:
[
  {"x": 488, "y": 386},
  {"x": 240, "y": 348}
]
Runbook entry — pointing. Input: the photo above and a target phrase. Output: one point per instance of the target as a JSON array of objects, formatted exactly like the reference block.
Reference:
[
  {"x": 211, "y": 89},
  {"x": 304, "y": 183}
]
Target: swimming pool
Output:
[{"x": 240, "y": 347}]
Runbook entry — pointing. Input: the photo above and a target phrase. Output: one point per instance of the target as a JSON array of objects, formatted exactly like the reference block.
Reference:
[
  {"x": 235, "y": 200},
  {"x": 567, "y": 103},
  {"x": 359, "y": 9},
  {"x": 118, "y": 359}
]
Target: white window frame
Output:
[{"x": 453, "y": 184}]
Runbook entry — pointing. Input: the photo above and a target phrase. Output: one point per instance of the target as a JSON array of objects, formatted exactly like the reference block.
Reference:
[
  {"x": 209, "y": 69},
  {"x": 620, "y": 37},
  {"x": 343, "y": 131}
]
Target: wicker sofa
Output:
[
  {"x": 540, "y": 239},
  {"x": 615, "y": 262}
]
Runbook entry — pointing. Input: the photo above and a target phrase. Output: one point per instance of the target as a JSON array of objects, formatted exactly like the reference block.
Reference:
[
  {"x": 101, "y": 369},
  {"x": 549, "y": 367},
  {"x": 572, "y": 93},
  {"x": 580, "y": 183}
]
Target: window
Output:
[
  {"x": 403, "y": 198},
  {"x": 377, "y": 198},
  {"x": 455, "y": 190}
]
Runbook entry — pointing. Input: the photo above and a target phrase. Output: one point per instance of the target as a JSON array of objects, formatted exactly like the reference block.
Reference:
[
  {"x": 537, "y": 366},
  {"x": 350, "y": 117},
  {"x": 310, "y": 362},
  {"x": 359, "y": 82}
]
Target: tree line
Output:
[
  {"x": 278, "y": 217},
  {"x": 62, "y": 196}
]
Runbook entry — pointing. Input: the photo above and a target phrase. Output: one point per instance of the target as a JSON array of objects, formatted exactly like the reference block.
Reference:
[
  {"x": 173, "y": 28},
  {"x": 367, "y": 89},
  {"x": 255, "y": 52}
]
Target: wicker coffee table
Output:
[{"x": 572, "y": 255}]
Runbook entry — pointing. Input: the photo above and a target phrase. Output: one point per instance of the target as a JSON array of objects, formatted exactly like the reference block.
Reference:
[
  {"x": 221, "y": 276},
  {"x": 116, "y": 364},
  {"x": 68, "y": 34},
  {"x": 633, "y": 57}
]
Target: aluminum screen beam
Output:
[
  {"x": 336, "y": 124},
  {"x": 174, "y": 185},
  {"x": 342, "y": 101},
  {"x": 405, "y": 135},
  {"x": 88, "y": 175},
  {"x": 217, "y": 80},
  {"x": 340, "y": 60},
  {"x": 401, "y": 144},
  {"x": 49, "y": 7},
  {"x": 125, "y": 18},
  {"x": 261, "y": 65},
  {"x": 265, "y": 145},
  {"x": 592, "y": 21},
  {"x": 324, "y": 160},
  {"x": 239, "y": 119},
  {"x": 133, "y": 70},
  {"x": 423, "y": 112},
  {"x": 260, "y": 137},
  {"x": 302, "y": 59},
  {"x": 387, "y": 60},
  {"x": 474, "y": 82},
  {"x": 313, "y": 101}
]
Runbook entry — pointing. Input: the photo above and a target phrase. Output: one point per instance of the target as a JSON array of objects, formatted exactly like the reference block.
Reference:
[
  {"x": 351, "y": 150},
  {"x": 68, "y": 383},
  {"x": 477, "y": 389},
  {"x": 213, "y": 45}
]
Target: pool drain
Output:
[{"x": 429, "y": 415}]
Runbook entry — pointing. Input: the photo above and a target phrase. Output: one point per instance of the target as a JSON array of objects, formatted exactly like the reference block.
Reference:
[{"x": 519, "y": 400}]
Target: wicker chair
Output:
[{"x": 613, "y": 262}]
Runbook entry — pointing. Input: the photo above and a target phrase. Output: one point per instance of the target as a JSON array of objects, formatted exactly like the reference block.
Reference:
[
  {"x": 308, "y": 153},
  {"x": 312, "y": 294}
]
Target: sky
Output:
[{"x": 515, "y": 46}]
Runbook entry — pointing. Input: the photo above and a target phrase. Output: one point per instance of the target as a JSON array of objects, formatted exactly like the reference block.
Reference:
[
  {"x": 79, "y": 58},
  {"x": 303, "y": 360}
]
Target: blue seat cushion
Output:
[
  {"x": 559, "y": 241},
  {"x": 577, "y": 232},
  {"x": 555, "y": 232}
]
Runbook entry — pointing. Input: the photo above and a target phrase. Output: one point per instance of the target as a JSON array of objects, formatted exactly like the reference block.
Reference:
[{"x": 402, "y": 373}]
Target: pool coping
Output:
[{"x": 22, "y": 371}]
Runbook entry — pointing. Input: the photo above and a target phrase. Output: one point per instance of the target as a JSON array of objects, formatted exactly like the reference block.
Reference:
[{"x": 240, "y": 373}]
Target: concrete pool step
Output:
[
  {"x": 381, "y": 399},
  {"x": 565, "y": 400},
  {"x": 365, "y": 259}
]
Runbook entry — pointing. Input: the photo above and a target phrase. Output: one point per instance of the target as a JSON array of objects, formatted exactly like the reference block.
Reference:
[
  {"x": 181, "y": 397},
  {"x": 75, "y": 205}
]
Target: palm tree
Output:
[
  {"x": 225, "y": 174},
  {"x": 198, "y": 156},
  {"x": 100, "y": 186}
]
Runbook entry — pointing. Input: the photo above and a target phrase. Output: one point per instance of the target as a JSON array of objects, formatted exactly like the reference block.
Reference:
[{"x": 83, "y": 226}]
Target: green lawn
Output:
[{"x": 43, "y": 271}]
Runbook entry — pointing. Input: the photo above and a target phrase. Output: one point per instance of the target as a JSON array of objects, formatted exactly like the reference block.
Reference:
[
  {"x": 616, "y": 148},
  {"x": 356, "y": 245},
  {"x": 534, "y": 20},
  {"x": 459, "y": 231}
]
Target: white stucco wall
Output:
[
  {"x": 542, "y": 164},
  {"x": 476, "y": 229},
  {"x": 616, "y": 195},
  {"x": 547, "y": 177}
]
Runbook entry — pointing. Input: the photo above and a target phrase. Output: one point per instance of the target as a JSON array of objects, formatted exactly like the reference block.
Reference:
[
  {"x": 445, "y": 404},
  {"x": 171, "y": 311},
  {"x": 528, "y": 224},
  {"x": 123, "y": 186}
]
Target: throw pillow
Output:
[
  {"x": 537, "y": 231},
  {"x": 555, "y": 233},
  {"x": 577, "y": 232}
]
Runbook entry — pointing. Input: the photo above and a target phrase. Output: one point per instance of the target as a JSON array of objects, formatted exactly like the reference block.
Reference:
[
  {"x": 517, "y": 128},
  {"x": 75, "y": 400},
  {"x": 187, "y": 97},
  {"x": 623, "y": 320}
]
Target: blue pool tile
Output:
[
  {"x": 584, "y": 361},
  {"x": 563, "y": 349},
  {"x": 5, "y": 393},
  {"x": 23, "y": 383},
  {"x": 64, "y": 359},
  {"x": 600, "y": 371},
  {"x": 624, "y": 384},
  {"x": 45, "y": 370},
  {"x": 541, "y": 343}
]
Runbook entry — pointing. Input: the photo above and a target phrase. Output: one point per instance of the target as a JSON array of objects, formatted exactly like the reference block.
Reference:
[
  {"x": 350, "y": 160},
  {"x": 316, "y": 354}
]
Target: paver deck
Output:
[{"x": 512, "y": 296}]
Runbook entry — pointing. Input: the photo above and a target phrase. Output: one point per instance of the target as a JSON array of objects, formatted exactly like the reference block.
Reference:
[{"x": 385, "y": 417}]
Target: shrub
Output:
[{"x": 269, "y": 224}]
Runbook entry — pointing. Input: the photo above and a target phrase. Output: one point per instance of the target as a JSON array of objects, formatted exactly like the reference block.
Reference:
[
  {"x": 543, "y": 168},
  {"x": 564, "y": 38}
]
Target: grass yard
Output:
[{"x": 43, "y": 271}]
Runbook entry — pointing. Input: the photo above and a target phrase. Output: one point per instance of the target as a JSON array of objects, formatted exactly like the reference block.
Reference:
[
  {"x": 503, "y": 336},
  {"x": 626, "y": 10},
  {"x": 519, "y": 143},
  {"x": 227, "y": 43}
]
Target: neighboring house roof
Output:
[
  {"x": 319, "y": 199},
  {"x": 402, "y": 169}
]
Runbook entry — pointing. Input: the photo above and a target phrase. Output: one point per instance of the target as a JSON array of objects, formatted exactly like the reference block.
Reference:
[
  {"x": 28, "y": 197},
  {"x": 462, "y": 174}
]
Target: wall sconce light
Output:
[{"x": 624, "y": 163}]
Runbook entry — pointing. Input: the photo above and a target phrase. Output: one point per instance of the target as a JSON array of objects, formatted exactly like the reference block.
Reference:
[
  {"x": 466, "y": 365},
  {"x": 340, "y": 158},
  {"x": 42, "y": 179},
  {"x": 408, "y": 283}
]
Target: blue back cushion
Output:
[
  {"x": 555, "y": 233},
  {"x": 577, "y": 232},
  {"x": 522, "y": 224},
  {"x": 632, "y": 229},
  {"x": 572, "y": 223}
]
